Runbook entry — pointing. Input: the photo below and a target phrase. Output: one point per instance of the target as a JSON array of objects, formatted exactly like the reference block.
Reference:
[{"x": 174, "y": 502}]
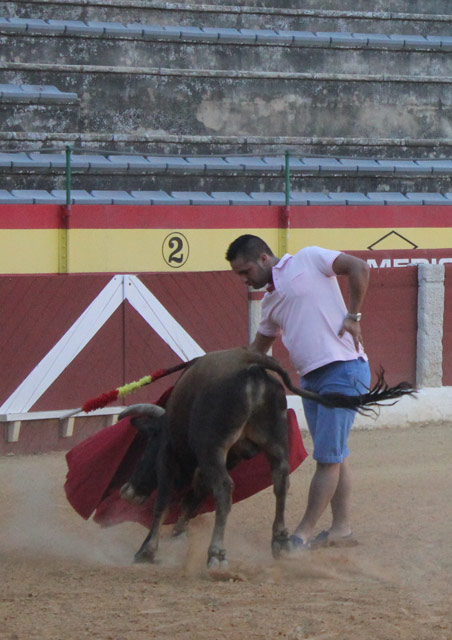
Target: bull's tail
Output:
[
  {"x": 365, "y": 403},
  {"x": 361, "y": 402}
]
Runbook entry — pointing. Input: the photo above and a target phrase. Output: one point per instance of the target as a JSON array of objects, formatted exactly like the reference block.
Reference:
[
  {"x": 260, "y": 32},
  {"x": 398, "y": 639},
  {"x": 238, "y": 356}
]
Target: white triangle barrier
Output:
[{"x": 119, "y": 289}]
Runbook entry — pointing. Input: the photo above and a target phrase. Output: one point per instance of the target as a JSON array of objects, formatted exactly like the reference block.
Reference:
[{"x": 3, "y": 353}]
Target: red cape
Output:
[{"x": 101, "y": 464}]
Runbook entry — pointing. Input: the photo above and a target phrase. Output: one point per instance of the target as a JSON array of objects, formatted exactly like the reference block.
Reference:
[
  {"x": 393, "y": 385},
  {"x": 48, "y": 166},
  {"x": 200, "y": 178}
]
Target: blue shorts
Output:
[{"x": 330, "y": 427}]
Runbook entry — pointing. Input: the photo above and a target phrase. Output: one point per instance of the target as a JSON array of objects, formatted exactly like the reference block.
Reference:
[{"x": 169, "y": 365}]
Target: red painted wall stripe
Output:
[
  {"x": 370, "y": 217},
  {"x": 35, "y": 216},
  {"x": 30, "y": 216}
]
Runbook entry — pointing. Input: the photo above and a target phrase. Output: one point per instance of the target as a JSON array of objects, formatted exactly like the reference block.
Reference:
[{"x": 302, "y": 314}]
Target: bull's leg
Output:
[
  {"x": 192, "y": 500},
  {"x": 278, "y": 459},
  {"x": 148, "y": 549},
  {"x": 220, "y": 482}
]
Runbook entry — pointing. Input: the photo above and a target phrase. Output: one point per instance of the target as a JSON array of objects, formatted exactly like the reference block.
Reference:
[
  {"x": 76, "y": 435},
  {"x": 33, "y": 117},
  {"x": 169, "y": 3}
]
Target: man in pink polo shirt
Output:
[{"x": 304, "y": 305}]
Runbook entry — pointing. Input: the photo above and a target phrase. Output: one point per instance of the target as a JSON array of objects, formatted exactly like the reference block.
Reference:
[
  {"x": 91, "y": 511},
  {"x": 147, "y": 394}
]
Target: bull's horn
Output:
[{"x": 152, "y": 410}]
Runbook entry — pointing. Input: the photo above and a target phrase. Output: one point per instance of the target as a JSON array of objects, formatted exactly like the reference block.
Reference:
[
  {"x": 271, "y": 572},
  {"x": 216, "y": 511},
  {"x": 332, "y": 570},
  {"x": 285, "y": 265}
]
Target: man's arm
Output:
[
  {"x": 357, "y": 272},
  {"x": 262, "y": 343}
]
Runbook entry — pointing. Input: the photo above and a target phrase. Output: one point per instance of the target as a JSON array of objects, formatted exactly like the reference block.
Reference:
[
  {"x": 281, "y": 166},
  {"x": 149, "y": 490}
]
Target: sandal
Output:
[
  {"x": 323, "y": 539},
  {"x": 298, "y": 544}
]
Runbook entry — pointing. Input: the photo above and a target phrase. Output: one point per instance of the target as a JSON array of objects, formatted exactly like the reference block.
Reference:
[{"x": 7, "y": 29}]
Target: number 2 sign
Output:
[{"x": 175, "y": 250}]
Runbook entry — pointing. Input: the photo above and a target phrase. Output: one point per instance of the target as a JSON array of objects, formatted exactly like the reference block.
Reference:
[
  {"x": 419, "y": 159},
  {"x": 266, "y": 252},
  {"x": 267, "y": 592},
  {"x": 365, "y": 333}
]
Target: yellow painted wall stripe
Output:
[
  {"x": 138, "y": 250},
  {"x": 29, "y": 251}
]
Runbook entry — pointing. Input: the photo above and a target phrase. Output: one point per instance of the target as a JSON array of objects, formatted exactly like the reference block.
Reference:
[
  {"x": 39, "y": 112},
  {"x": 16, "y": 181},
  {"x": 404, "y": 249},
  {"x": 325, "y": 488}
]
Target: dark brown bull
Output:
[{"x": 224, "y": 407}]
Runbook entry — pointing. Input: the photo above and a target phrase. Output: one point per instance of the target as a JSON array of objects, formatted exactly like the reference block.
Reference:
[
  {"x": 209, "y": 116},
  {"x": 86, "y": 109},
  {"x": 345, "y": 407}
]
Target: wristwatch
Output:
[{"x": 354, "y": 316}]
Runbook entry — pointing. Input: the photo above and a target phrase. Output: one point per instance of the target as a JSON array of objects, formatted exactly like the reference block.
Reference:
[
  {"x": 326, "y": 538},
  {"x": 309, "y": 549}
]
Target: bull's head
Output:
[
  {"x": 144, "y": 417},
  {"x": 147, "y": 418}
]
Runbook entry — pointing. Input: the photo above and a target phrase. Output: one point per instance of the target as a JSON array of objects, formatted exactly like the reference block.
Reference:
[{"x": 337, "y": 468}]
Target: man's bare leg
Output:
[
  {"x": 341, "y": 503},
  {"x": 323, "y": 487}
]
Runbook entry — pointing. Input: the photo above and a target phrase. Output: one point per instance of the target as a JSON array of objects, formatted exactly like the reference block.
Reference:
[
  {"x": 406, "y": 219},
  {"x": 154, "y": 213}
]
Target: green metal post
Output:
[
  {"x": 63, "y": 235},
  {"x": 285, "y": 211},
  {"x": 68, "y": 175},
  {"x": 287, "y": 177}
]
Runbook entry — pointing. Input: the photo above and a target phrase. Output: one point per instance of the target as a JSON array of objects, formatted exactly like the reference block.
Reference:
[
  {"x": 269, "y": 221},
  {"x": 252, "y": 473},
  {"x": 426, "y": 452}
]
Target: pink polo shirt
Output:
[{"x": 307, "y": 308}]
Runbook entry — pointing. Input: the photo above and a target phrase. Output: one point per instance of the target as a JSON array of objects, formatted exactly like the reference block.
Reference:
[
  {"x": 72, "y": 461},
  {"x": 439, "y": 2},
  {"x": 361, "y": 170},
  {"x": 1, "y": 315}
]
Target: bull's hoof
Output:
[
  {"x": 217, "y": 559},
  {"x": 144, "y": 556},
  {"x": 127, "y": 492},
  {"x": 179, "y": 533},
  {"x": 280, "y": 545},
  {"x": 217, "y": 565}
]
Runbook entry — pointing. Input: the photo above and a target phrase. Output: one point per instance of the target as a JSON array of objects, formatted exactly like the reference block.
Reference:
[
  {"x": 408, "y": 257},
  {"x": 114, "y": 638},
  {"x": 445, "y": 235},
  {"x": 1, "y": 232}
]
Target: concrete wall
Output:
[{"x": 188, "y": 97}]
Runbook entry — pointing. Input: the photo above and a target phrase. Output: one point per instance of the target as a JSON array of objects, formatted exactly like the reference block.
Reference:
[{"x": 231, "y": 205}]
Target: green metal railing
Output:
[{"x": 69, "y": 150}]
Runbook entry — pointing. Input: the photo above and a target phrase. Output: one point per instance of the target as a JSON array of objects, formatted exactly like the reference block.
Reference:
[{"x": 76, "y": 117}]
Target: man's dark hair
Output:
[{"x": 248, "y": 247}]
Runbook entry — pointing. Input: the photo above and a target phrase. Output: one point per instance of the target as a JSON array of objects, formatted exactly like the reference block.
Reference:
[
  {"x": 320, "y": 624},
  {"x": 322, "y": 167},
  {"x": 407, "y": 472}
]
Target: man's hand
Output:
[
  {"x": 357, "y": 272},
  {"x": 262, "y": 343},
  {"x": 354, "y": 329}
]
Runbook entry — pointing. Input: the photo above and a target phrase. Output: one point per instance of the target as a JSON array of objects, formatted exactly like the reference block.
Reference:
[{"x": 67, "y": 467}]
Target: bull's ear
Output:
[{"x": 149, "y": 410}]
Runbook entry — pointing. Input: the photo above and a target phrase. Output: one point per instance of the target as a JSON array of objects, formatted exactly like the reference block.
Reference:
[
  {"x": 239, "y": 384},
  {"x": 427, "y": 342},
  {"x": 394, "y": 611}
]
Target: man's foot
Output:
[
  {"x": 298, "y": 544},
  {"x": 327, "y": 539}
]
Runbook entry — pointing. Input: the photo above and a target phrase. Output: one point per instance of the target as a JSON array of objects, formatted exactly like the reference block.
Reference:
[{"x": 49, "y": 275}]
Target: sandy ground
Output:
[{"x": 64, "y": 578}]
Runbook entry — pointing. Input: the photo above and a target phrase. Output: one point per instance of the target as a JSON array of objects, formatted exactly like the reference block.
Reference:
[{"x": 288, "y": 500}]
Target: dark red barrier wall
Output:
[
  {"x": 38, "y": 310},
  {"x": 212, "y": 308},
  {"x": 389, "y": 323}
]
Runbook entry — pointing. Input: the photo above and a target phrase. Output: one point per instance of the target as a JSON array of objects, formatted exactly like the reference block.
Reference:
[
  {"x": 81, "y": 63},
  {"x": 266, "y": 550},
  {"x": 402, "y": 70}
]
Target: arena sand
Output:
[{"x": 62, "y": 578}]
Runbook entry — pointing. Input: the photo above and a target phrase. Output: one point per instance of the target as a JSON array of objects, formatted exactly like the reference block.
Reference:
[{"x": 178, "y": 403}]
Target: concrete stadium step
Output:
[
  {"x": 115, "y": 44},
  {"x": 44, "y": 105},
  {"x": 261, "y": 174},
  {"x": 220, "y": 35},
  {"x": 35, "y": 94},
  {"x": 432, "y": 16},
  {"x": 160, "y": 143},
  {"x": 253, "y": 182},
  {"x": 143, "y": 198},
  {"x": 329, "y": 108},
  {"x": 202, "y": 102},
  {"x": 110, "y": 163}
]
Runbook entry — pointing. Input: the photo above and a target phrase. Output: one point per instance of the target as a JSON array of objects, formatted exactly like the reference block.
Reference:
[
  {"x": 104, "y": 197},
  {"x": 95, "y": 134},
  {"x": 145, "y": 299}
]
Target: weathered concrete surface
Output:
[
  {"x": 33, "y": 117},
  {"x": 233, "y": 102}
]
